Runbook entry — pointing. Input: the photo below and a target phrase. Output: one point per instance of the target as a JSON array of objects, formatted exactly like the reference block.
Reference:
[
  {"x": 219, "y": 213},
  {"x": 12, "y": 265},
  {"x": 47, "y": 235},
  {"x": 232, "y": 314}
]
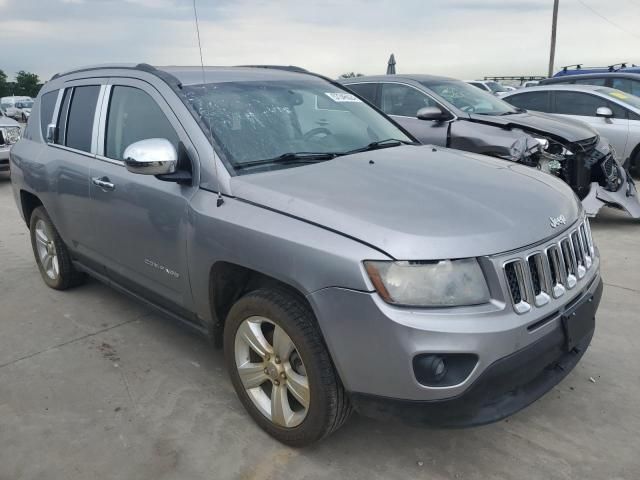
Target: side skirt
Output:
[{"x": 192, "y": 324}]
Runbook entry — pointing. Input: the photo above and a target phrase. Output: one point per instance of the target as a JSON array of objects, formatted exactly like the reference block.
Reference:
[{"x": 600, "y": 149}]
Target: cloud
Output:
[{"x": 461, "y": 38}]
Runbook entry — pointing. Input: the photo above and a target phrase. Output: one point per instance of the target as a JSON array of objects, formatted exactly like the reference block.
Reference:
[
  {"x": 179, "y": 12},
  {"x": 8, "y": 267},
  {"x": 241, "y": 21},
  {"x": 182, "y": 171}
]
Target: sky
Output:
[{"x": 458, "y": 38}]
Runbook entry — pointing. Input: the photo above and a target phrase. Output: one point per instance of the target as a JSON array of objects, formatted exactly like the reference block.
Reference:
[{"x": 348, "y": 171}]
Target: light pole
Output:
[{"x": 554, "y": 24}]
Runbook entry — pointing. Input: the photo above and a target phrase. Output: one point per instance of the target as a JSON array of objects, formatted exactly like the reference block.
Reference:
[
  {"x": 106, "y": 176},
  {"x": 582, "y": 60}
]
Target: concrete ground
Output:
[{"x": 93, "y": 385}]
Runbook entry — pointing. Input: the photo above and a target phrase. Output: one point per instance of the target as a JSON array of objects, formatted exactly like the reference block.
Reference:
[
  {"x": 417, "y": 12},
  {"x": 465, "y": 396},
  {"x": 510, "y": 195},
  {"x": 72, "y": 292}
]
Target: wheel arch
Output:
[
  {"x": 228, "y": 282},
  {"x": 28, "y": 202},
  {"x": 634, "y": 158}
]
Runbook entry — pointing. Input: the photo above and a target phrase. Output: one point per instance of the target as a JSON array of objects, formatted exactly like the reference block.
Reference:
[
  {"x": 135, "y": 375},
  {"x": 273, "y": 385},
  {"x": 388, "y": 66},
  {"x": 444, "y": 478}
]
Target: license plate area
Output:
[{"x": 578, "y": 321}]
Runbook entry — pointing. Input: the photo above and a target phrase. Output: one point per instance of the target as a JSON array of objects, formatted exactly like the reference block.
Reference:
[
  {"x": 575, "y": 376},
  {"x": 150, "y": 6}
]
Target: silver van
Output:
[{"x": 340, "y": 264}]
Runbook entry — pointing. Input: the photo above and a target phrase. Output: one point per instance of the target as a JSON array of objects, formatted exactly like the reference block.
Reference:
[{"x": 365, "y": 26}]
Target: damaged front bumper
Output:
[{"x": 625, "y": 197}]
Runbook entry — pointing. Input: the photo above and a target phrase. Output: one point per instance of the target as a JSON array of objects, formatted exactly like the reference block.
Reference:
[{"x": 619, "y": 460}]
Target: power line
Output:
[{"x": 606, "y": 19}]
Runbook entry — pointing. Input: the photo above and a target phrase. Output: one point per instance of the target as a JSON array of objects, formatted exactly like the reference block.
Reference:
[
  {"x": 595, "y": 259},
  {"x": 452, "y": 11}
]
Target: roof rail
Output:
[
  {"x": 288, "y": 68},
  {"x": 127, "y": 66},
  {"x": 577, "y": 65}
]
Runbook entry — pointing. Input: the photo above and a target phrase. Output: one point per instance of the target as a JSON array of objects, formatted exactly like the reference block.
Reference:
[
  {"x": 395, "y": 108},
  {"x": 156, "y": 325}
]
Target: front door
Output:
[
  {"x": 141, "y": 221},
  {"x": 402, "y": 102}
]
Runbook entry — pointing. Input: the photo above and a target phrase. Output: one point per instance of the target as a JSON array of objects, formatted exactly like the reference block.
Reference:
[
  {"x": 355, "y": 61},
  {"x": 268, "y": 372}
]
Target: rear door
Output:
[
  {"x": 141, "y": 221},
  {"x": 582, "y": 106},
  {"x": 369, "y": 91},
  {"x": 402, "y": 102},
  {"x": 67, "y": 159}
]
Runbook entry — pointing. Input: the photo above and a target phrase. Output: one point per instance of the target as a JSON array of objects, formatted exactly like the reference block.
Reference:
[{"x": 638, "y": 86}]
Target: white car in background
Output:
[
  {"x": 17, "y": 107},
  {"x": 9, "y": 134},
  {"x": 612, "y": 113},
  {"x": 489, "y": 86}
]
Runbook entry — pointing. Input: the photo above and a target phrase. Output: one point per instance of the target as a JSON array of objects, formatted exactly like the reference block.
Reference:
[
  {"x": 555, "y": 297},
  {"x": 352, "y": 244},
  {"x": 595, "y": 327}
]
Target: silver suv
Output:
[{"x": 340, "y": 264}]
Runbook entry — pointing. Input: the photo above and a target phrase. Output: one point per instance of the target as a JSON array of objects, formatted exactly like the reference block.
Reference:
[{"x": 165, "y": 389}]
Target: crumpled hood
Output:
[
  {"x": 569, "y": 129},
  {"x": 417, "y": 203}
]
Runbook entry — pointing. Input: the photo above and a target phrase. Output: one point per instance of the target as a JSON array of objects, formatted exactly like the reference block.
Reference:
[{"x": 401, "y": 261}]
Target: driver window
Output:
[
  {"x": 403, "y": 100},
  {"x": 134, "y": 116}
]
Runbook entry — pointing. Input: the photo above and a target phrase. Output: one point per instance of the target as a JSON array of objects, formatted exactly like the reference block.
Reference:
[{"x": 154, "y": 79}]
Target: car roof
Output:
[
  {"x": 404, "y": 76},
  {"x": 562, "y": 86},
  {"x": 573, "y": 78}
]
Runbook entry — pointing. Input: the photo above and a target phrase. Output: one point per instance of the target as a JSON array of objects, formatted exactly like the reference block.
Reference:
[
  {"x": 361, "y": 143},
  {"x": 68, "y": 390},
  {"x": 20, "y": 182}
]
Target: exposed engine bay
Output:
[{"x": 589, "y": 166}]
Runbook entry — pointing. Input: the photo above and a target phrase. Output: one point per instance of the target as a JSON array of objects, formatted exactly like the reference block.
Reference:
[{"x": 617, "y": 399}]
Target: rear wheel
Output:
[
  {"x": 280, "y": 368},
  {"x": 52, "y": 255}
]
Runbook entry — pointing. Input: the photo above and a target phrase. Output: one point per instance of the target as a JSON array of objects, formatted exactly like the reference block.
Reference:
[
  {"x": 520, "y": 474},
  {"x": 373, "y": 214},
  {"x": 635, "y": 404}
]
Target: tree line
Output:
[{"x": 26, "y": 84}]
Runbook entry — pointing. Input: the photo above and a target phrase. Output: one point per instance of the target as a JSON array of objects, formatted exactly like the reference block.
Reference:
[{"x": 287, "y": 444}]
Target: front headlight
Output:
[
  {"x": 444, "y": 283},
  {"x": 11, "y": 135}
]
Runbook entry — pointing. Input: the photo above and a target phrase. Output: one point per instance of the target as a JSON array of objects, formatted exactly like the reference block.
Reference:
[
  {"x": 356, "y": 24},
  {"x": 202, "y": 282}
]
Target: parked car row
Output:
[
  {"x": 451, "y": 113},
  {"x": 340, "y": 264},
  {"x": 9, "y": 135},
  {"x": 18, "y": 108}
]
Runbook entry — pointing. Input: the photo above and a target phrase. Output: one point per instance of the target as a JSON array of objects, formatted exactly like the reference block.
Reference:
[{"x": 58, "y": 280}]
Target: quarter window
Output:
[
  {"x": 81, "y": 114},
  {"x": 47, "y": 105},
  {"x": 134, "y": 116},
  {"x": 537, "y": 101},
  {"x": 403, "y": 100}
]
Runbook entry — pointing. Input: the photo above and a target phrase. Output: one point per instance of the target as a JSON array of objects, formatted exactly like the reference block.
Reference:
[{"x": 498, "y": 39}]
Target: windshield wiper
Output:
[
  {"x": 289, "y": 158},
  {"x": 389, "y": 142}
]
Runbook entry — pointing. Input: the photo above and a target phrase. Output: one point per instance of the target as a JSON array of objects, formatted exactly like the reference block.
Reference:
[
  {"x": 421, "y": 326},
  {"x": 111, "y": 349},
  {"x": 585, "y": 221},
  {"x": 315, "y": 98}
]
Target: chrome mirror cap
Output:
[{"x": 153, "y": 156}]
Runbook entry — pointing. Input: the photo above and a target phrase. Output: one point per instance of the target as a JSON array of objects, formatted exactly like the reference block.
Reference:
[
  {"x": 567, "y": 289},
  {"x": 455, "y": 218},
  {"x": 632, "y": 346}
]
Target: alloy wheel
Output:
[
  {"x": 272, "y": 372},
  {"x": 47, "y": 250}
]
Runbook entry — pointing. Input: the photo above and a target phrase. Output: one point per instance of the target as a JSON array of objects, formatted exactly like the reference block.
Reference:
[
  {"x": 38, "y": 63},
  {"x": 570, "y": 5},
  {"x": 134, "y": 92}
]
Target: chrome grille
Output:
[{"x": 548, "y": 273}]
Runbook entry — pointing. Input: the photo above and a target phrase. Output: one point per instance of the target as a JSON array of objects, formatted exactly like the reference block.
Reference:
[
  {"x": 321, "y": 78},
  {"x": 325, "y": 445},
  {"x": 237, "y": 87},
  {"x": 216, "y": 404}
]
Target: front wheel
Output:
[
  {"x": 634, "y": 166},
  {"x": 280, "y": 368}
]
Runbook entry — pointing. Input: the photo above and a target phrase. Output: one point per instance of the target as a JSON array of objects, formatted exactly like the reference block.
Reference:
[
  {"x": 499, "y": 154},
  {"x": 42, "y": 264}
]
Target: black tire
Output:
[
  {"x": 24, "y": 118},
  {"x": 329, "y": 405},
  {"x": 634, "y": 166},
  {"x": 67, "y": 275}
]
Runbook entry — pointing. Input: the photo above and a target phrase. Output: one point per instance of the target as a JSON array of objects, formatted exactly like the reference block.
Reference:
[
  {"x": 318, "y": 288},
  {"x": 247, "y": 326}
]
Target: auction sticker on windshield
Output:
[{"x": 342, "y": 97}]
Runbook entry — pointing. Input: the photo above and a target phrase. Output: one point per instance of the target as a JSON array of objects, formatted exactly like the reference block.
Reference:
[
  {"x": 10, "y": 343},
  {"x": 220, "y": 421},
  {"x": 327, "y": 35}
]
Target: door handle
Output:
[{"x": 104, "y": 183}]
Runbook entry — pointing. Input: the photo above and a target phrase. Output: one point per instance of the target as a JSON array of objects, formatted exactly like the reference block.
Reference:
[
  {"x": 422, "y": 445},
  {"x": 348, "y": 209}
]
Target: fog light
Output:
[
  {"x": 433, "y": 368},
  {"x": 442, "y": 370}
]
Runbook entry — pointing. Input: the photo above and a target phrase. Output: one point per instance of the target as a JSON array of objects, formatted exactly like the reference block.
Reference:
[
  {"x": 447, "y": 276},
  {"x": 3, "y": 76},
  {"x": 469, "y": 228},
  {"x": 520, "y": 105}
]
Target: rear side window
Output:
[
  {"x": 601, "y": 82},
  {"x": 62, "y": 117},
  {"x": 134, "y": 116},
  {"x": 578, "y": 103},
  {"x": 365, "y": 90},
  {"x": 537, "y": 101},
  {"x": 47, "y": 105},
  {"x": 81, "y": 115}
]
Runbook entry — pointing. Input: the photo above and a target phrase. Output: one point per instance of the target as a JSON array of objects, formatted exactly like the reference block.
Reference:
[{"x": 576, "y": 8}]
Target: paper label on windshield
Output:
[
  {"x": 620, "y": 95},
  {"x": 342, "y": 97}
]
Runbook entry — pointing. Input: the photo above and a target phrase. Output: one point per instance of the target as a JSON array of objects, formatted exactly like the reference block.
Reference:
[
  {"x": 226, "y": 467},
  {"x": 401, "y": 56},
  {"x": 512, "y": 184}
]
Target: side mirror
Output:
[
  {"x": 153, "y": 156},
  {"x": 431, "y": 113},
  {"x": 604, "y": 112}
]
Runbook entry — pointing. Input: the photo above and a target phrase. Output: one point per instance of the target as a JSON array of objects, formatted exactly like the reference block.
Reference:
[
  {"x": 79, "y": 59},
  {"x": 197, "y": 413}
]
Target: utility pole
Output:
[{"x": 554, "y": 24}]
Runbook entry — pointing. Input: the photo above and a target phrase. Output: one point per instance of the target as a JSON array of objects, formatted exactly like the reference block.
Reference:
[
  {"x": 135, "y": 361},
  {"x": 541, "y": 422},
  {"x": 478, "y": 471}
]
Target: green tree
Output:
[
  {"x": 4, "y": 88},
  {"x": 27, "y": 84},
  {"x": 351, "y": 75}
]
